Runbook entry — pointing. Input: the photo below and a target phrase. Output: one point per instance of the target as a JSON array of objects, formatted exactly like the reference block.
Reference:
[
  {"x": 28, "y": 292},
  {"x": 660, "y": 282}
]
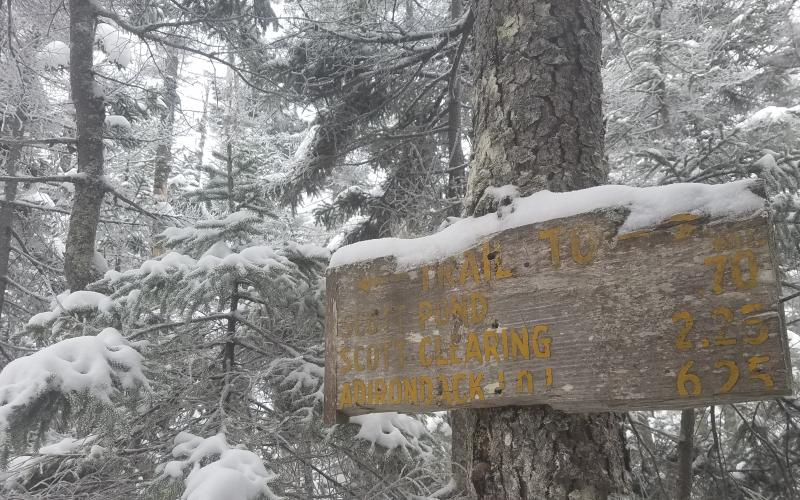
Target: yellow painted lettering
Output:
[
  {"x": 749, "y": 259},
  {"x": 427, "y": 388},
  {"x": 410, "y": 390},
  {"x": 373, "y": 356},
  {"x": 480, "y": 306},
  {"x": 541, "y": 347},
  {"x": 445, "y": 391},
  {"x": 359, "y": 392},
  {"x": 684, "y": 231},
  {"x": 553, "y": 235},
  {"x": 441, "y": 358},
  {"x": 444, "y": 274},
  {"x": 490, "y": 345},
  {"x": 457, "y": 379},
  {"x": 733, "y": 374},
  {"x": 469, "y": 269},
  {"x": 425, "y": 312},
  {"x": 459, "y": 306},
  {"x": 504, "y": 342},
  {"x": 500, "y": 272},
  {"x": 395, "y": 392},
  {"x": 575, "y": 247},
  {"x": 346, "y": 362},
  {"x": 380, "y": 392},
  {"x": 424, "y": 360},
  {"x": 519, "y": 344},
  {"x": 763, "y": 330},
  {"x": 453, "y": 358},
  {"x": 475, "y": 389},
  {"x": 524, "y": 377},
  {"x": 356, "y": 365},
  {"x": 345, "y": 396},
  {"x": 757, "y": 372},
  {"x": 473, "y": 351},
  {"x": 719, "y": 261},
  {"x": 370, "y": 392}
]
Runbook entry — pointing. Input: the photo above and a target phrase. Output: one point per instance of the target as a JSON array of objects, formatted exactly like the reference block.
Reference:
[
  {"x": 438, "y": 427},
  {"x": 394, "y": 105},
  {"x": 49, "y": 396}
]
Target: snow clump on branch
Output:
[
  {"x": 114, "y": 44},
  {"x": 392, "y": 430},
  {"x": 234, "y": 474},
  {"x": 99, "y": 365},
  {"x": 55, "y": 55}
]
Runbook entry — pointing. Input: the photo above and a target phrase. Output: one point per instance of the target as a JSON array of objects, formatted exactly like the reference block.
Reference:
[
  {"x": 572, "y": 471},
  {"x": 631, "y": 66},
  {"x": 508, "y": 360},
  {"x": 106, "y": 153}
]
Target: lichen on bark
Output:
[{"x": 537, "y": 113}]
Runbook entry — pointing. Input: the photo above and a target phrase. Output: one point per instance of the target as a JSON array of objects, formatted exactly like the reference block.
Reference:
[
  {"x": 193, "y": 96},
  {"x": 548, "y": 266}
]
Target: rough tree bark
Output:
[
  {"x": 685, "y": 455},
  {"x": 12, "y": 156},
  {"x": 79, "y": 256},
  {"x": 537, "y": 112},
  {"x": 538, "y": 125},
  {"x": 455, "y": 164},
  {"x": 203, "y": 130},
  {"x": 659, "y": 6},
  {"x": 163, "y": 163}
]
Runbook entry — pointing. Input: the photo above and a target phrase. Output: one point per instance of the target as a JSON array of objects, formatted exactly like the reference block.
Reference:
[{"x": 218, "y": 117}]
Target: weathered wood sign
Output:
[{"x": 568, "y": 313}]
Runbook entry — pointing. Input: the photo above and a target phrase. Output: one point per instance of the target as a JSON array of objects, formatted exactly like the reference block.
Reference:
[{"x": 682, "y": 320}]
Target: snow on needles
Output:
[
  {"x": 99, "y": 365},
  {"x": 55, "y": 55},
  {"x": 116, "y": 46},
  {"x": 236, "y": 474},
  {"x": 771, "y": 115},
  {"x": 261, "y": 256},
  {"x": 390, "y": 430},
  {"x": 118, "y": 121},
  {"x": 648, "y": 207},
  {"x": 81, "y": 300}
]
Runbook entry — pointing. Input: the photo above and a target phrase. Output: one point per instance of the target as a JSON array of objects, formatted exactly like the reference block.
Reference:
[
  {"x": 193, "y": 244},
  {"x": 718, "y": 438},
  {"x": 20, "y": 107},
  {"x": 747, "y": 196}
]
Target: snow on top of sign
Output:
[{"x": 648, "y": 206}]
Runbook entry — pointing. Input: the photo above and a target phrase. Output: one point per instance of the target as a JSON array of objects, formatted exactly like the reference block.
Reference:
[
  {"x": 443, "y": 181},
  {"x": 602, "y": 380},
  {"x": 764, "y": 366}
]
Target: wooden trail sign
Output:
[{"x": 569, "y": 313}]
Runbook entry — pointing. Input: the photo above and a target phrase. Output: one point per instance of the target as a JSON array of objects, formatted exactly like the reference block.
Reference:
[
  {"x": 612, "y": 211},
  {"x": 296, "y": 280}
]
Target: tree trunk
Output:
[
  {"x": 79, "y": 256},
  {"x": 659, "y": 7},
  {"x": 455, "y": 165},
  {"x": 12, "y": 156},
  {"x": 685, "y": 455},
  {"x": 203, "y": 129},
  {"x": 538, "y": 125},
  {"x": 164, "y": 148},
  {"x": 538, "y": 112}
]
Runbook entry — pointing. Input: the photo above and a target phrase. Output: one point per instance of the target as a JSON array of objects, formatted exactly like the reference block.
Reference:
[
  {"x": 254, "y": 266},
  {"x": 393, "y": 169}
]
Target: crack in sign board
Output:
[{"x": 567, "y": 313}]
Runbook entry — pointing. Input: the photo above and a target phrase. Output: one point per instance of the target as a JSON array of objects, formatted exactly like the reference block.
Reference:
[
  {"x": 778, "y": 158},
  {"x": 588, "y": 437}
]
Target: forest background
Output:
[{"x": 164, "y": 302}]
